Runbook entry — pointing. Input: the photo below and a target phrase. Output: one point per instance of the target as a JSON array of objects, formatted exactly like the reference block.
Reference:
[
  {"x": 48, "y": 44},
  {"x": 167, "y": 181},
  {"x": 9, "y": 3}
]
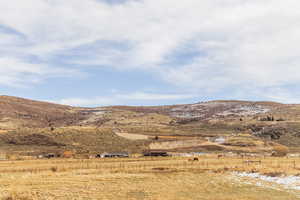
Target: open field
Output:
[
  {"x": 31, "y": 129},
  {"x": 169, "y": 178}
]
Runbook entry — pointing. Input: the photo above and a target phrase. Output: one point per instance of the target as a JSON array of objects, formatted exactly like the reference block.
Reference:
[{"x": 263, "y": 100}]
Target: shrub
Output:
[
  {"x": 53, "y": 169},
  {"x": 280, "y": 151}
]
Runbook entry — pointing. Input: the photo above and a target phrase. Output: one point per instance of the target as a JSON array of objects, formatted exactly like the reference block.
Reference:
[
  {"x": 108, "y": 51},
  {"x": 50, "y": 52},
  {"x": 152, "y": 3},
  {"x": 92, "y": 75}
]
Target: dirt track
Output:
[{"x": 132, "y": 136}]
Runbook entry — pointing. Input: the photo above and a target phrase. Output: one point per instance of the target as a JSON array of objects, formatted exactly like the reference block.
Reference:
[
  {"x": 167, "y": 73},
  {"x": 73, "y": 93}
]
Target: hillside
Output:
[
  {"x": 31, "y": 127},
  {"x": 18, "y": 112}
]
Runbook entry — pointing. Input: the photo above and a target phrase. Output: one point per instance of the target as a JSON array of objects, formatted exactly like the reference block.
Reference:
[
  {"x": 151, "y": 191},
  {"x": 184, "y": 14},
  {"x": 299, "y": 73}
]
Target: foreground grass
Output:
[{"x": 142, "y": 178}]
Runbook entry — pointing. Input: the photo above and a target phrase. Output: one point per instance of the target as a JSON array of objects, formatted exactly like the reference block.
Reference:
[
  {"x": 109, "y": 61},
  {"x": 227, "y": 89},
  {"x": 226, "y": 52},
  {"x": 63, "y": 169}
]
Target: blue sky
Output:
[{"x": 150, "y": 52}]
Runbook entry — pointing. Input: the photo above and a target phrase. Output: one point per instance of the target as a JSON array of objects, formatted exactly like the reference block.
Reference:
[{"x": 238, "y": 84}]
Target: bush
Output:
[
  {"x": 54, "y": 169},
  {"x": 280, "y": 151}
]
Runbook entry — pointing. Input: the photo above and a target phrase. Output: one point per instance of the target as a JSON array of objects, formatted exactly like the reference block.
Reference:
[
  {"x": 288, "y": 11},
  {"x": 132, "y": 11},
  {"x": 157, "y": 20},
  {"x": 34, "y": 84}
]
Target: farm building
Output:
[
  {"x": 50, "y": 155},
  {"x": 68, "y": 154},
  {"x": 156, "y": 153},
  {"x": 220, "y": 140},
  {"x": 113, "y": 155}
]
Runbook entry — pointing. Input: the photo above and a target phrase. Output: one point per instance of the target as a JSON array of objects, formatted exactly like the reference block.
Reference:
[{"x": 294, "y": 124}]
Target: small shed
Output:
[
  {"x": 68, "y": 154},
  {"x": 50, "y": 155},
  {"x": 220, "y": 140}
]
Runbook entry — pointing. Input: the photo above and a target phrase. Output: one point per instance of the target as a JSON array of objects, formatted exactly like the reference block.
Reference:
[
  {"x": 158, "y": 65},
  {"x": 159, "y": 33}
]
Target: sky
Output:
[{"x": 150, "y": 52}]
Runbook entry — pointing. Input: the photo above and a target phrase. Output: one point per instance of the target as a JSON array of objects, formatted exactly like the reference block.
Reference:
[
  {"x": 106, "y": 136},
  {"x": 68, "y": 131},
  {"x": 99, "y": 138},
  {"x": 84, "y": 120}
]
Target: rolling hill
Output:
[{"x": 31, "y": 127}]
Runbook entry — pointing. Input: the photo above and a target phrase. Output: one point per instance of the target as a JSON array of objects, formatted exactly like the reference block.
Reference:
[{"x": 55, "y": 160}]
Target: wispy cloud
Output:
[
  {"x": 18, "y": 73},
  {"x": 123, "y": 99},
  {"x": 231, "y": 44}
]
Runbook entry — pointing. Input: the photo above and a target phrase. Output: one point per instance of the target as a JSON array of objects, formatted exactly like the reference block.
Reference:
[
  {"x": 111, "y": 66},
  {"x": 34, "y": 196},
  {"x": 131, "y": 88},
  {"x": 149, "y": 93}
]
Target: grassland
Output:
[
  {"x": 30, "y": 128},
  {"x": 172, "y": 178}
]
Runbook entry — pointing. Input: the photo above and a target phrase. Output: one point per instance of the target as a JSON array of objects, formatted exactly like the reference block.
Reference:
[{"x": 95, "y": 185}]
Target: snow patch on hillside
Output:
[
  {"x": 244, "y": 110},
  {"x": 217, "y": 109}
]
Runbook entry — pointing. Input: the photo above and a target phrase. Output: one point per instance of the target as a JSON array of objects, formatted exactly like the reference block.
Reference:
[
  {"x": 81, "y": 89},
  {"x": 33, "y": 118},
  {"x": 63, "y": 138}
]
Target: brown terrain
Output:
[{"x": 31, "y": 127}]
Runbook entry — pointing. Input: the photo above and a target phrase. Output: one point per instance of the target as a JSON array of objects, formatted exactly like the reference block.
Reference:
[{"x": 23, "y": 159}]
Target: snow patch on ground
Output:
[{"x": 287, "y": 182}]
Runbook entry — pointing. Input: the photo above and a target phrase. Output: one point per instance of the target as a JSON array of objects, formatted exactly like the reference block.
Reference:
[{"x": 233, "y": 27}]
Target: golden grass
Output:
[
  {"x": 141, "y": 178},
  {"x": 3, "y": 131}
]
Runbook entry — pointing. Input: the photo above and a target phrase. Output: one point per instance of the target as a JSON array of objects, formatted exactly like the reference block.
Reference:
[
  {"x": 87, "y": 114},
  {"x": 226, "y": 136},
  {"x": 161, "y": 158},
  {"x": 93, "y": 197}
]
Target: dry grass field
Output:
[
  {"x": 170, "y": 178},
  {"x": 30, "y": 128}
]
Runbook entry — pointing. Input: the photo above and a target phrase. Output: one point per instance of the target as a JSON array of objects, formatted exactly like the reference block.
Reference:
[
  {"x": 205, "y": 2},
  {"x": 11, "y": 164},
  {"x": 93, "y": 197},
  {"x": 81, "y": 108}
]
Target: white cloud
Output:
[
  {"x": 14, "y": 72},
  {"x": 278, "y": 94},
  {"x": 237, "y": 42},
  {"x": 122, "y": 99}
]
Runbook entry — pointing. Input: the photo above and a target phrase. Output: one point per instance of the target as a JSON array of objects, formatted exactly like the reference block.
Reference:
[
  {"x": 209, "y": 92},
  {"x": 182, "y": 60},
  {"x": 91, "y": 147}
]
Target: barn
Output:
[{"x": 156, "y": 153}]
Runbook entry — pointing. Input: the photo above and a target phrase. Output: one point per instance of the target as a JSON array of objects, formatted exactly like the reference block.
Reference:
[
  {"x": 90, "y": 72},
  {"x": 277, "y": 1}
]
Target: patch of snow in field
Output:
[{"x": 288, "y": 182}]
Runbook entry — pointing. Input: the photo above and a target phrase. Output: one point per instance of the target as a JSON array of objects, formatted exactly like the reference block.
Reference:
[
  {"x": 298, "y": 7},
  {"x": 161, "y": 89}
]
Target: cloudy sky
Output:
[{"x": 150, "y": 52}]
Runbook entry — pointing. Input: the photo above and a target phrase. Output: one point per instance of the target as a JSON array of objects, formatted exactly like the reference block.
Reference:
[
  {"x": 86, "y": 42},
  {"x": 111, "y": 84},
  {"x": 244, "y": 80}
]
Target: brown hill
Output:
[
  {"x": 18, "y": 112},
  {"x": 242, "y": 126}
]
